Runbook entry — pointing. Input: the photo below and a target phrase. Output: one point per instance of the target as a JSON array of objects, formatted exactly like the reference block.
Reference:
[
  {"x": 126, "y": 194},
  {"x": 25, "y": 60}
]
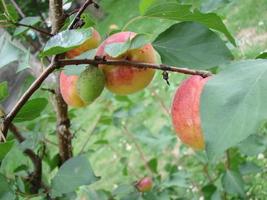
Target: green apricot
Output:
[{"x": 90, "y": 84}]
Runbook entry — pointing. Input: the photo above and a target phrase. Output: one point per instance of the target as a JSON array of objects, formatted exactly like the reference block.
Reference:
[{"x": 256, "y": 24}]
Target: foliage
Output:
[{"x": 118, "y": 140}]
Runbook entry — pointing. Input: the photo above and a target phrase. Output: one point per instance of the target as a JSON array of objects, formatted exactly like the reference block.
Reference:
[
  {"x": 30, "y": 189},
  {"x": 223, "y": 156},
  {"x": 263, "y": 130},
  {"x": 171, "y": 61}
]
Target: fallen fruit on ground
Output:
[
  {"x": 89, "y": 44},
  {"x": 124, "y": 80},
  {"x": 90, "y": 84},
  {"x": 144, "y": 185},
  {"x": 185, "y": 112}
]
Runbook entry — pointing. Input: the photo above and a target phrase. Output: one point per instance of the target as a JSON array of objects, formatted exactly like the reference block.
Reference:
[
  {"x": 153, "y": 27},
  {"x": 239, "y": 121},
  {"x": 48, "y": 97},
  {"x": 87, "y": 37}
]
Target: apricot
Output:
[
  {"x": 91, "y": 43},
  {"x": 185, "y": 112},
  {"x": 68, "y": 89},
  {"x": 144, "y": 185},
  {"x": 68, "y": 83},
  {"x": 90, "y": 84},
  {"x": 123, "y": 80}
]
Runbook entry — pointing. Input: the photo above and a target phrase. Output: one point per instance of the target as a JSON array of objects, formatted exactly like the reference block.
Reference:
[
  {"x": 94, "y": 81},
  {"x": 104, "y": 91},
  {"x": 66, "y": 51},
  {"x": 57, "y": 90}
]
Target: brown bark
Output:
[{"x": 63, "y": 123}]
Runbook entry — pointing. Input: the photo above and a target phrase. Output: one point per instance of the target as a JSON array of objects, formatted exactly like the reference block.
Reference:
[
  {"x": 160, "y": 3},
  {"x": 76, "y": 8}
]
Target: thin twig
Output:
[
  {"x": 36, "y": 177},
  {"x": 130, "y": 136},
  {"x": 49, "y": 90},
  {"x": 90, "y": 133},
  {"x": 163, "y": 106},
  {"x": 206, "y": 172},
  {"x": 18, "y": 8},
  {"x": 118, "y": 154},
  {"x": 33, "y": 28},
  {"x": 141, "y": 65},
  {"x": 79, "y": 13},
  {"x": 40, "y": 14},
  {"x": 228, "y": 160}
]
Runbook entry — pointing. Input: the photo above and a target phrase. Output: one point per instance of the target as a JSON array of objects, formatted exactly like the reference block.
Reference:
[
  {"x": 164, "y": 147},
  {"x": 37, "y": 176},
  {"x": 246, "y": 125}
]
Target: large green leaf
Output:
[
  {"x": 176, "y": 11},
  {"x": 65, "y": 41},
  {"x": 233, "y": 105},
  {"x": 24, "y": 61},
  {"x": 189, "y": 44},
  {"x": 14, "y": 162},
  {"x": 31, "y": 110},
  {"x": 6, "y": 192},
  {"x": 253, "y": 145},
  {"x": 233, "y": 183},
  {"x": 3, "y": 90},
  {"x": 27, "y": 21},
  {"x": 74, "y": 173},
  {"x": 8, "y": 52},
  {"x": 5, "y": 147}
]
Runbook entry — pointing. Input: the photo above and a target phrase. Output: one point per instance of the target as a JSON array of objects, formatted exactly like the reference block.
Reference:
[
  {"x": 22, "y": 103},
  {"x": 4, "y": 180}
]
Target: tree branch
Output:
[
  {"x": 62, "y": 62},
  {"x": 126, "y": 63},
  {"x": 63, "y": 123},
  {"x": 33, "y": 28},
  {"x": 35, "y": 178},
  {"x": 79, "y": 13},
  {"x": 18, "y": 8}
]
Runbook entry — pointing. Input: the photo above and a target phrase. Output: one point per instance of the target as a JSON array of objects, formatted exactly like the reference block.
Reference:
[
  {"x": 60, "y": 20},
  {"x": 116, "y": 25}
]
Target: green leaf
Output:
[
  {"x": 117, "y": 49},
  {"x": 249, "y": 167},
  {"x": 12, "y": 12},
  {"x": 178, "y": 12},
  {"x": 27, "y": 21},
  {"x": 31, "y": 110},
  {"x": 87, "y": 19},
  {"x": 192, "y": 45},
  {"x": 8, "y": 51},
  {"x": 124, "y": 190},
  {"x": 14, "y": 161},
  {"x": 78, "y": 69},
  {"x": 153, "y": 165},
  {"x": 6, "y": 192},
  {"x": 4, "y": 148},
  {"x": 233, "y": 183},
  {"x": 253, "y": 145},
  {"x": 65, "y": 41},
  {"x": 233, "y": 105},
  {"x": 144, "y": 5},
  {"x": 262, "y": 55},
  {"x": 139, "y": 41},
  {"x": 24, "y": 62},
  {"x": 208, "y": 190},
  {"x": 179, "y": 179},
  {"x": 3, "y": 90},
  {"x": 72, "y": 174}
]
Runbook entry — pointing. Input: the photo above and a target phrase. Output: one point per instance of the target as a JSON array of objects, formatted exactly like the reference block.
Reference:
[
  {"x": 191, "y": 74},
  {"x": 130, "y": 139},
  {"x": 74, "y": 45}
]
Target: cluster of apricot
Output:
[{"x": 79, "y": 91}]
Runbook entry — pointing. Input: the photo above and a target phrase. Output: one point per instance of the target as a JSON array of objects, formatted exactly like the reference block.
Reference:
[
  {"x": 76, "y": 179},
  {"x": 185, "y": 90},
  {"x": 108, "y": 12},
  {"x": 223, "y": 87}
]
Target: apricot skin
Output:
[
  {"x": 68, "y": 83},
  {"x": 124, "y": 80},
  {"x": 68, "y": 89},
  {"x": 144, "y": 185},
  {"x": 185, "y": 112},
  {"x": 91, "y": 43}
]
